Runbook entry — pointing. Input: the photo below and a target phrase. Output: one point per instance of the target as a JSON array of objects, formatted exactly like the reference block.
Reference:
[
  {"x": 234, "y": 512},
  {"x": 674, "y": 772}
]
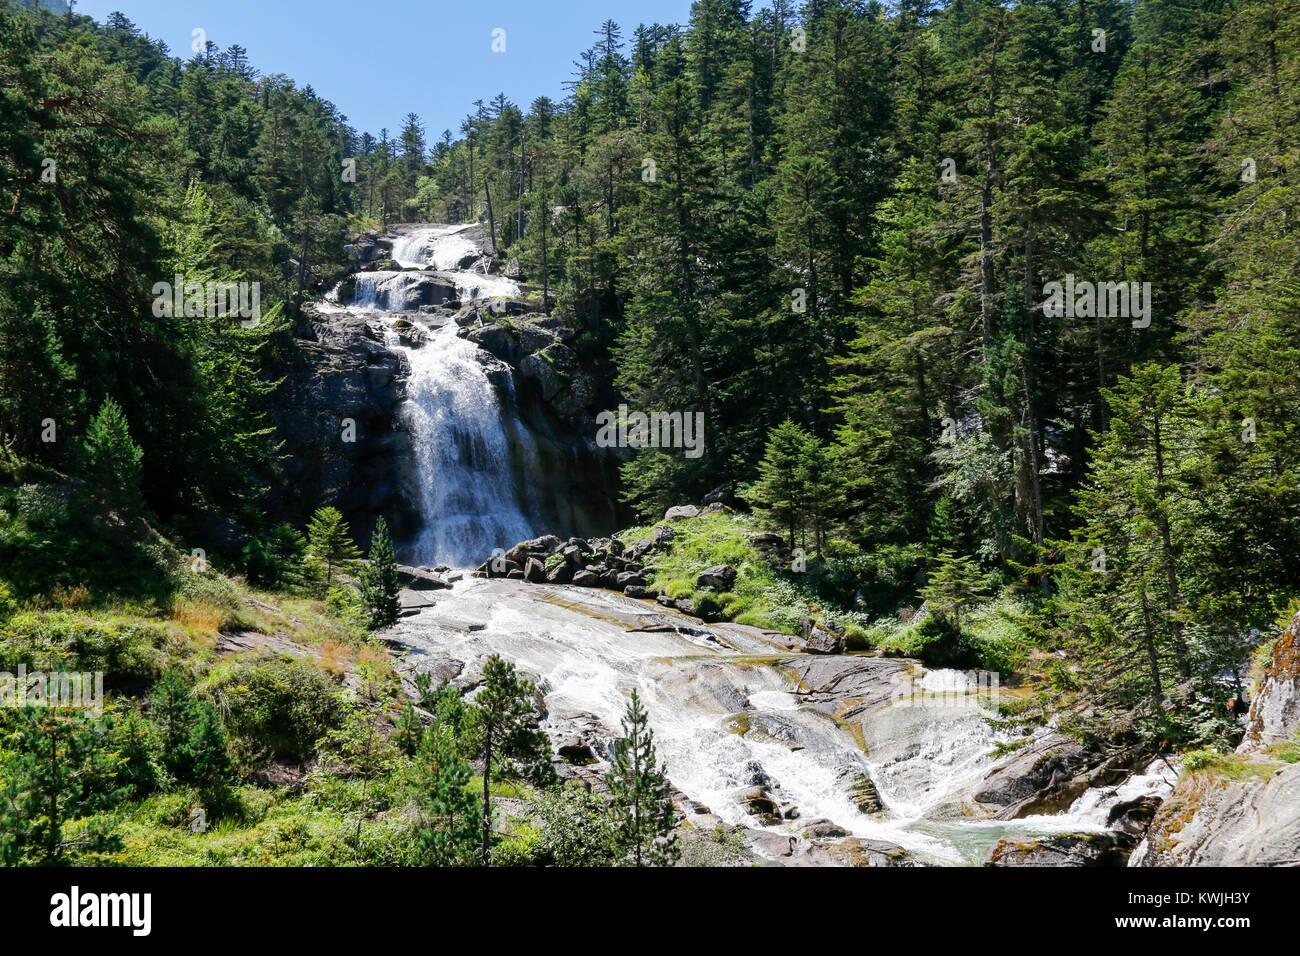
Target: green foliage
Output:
[
  {"x": 193, "y": 742},
  {"x": 59, "y": 767},
  {"x": 451, "y": 835},
  {"x": 276, "y": 559},
  {"x": 378, "y": 580},
  {"x": 329, "y": 544},
  {"x": 641, "y": 794},
  {"x": 503, "y": 722},
  {"x": 273, "y": 707},
  {"x": 575, "y": 827},
  {"x": 111, "y": 460},
  {"x": 123, "y": 647},
  {"x": 955, "y": 583}
]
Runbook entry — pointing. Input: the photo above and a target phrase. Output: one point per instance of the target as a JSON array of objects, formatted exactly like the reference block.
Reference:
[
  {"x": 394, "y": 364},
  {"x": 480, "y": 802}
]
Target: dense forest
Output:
[{"x": 981, "y": 302}]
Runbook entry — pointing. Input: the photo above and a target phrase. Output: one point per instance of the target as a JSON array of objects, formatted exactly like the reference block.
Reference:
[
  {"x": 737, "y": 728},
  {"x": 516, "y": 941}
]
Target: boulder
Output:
[
  {"x": 861, "y": 790},
  {"x": 1212, "y": 819},
  {"x": 562, "y": 573},
  {"x": 629, "y": 578},
  {"x": 1046, "y": 764},
  {"x": 821, "y": 640},
  {"x": 720, "y": 577},
  {"x": 678, "y": 512},
  {"x": 586, "y": 579},
  {"x": 662, "y": 535},
  {"x": 575, "y": 750},
  {"x": 759, "y": 803},
  {"x": 1061, "y": 849},
  {"x": 534, "y": 571},
  {"x": 822, "y": 827},
  {"x": 634, "y": 591},
  {"x": 419, "y": 579}
]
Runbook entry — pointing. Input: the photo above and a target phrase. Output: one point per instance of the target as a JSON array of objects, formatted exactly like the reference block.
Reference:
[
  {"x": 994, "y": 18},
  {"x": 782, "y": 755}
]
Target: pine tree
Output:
[
  {"x": 378, "y": 579},
  {"x": 329, "y": 543},
  {"x": 112, "y": 459},
  {"x": 451, "y": 836},
  {"x": 641, "y": 794},
  {"x": 60, "y": 769},
  {"x": 955, "y": 583},
  {"x": 504, "y": 719}
]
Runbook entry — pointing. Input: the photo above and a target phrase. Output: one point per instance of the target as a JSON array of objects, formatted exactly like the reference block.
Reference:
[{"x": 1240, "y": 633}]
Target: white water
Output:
[
  {"x": 472, "y": 454},
  {"x": 577, "y": 643}
]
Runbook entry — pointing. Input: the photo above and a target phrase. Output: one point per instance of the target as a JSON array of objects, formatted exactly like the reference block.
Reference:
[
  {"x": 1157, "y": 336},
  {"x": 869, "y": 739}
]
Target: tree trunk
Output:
[{"x": 487, "y": 796}]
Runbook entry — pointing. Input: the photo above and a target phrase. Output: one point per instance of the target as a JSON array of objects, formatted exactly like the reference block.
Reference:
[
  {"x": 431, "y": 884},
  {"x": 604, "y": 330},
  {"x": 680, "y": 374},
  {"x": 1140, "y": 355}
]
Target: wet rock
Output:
[
  {"x": 759, "y": 803},
  {"x": 635, "y": 591},
  {"x": 1062, "y": 849},
  {"x": 1133, "y": 817},
  {"x": 861, "y": 790},
  {"x": 821, "y": 827},
  {"x": 420, "y": 579},
  {"x": 857, "y": 851},
  {"x": 846, "y": 687},
  {"x": 586, "y": 579},
  {"x": 1042, "y": 765},
  {"x": 534, "y": 571}
]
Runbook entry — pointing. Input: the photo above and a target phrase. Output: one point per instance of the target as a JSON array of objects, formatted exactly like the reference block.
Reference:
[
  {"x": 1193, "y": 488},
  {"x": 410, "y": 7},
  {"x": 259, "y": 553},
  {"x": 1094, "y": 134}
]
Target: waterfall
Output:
[{"x": 472, "y": 454}]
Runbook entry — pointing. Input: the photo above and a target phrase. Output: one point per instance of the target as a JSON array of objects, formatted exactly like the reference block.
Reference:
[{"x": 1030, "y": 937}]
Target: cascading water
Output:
[
  {"x": 725, "y": 719},
  {"x": 472, "y": 454}
]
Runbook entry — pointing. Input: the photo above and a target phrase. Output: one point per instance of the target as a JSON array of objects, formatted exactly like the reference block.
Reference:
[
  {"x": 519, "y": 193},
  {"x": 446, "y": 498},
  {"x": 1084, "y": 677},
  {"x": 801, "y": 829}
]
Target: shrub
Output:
[
  {"x": 126, "y": 649},
  {"x": 276, "y": 705}
]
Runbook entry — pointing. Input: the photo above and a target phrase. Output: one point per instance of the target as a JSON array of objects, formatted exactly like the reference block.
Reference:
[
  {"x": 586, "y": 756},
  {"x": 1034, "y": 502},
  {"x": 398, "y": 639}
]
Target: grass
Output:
[
  {"x": 1210, "y": 764},
  {"x": 762, "y": 596},
  {"x": 994, "y": 634}
]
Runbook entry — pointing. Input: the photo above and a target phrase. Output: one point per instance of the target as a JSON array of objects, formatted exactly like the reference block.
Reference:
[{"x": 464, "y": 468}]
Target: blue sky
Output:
[{"x": 377, "y": 61}]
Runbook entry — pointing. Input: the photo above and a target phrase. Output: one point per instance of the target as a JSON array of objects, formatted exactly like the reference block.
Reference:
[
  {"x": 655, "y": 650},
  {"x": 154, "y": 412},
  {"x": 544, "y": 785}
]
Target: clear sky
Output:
[{"x": 377, "y": 61}]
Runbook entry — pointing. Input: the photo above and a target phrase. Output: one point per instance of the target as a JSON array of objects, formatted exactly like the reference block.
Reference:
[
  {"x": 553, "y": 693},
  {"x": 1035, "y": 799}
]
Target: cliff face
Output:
[
  {"x": 1275, "y": 708},
  {"x": 1243, "y": 810},
  {"x": 343, "y": 442}
]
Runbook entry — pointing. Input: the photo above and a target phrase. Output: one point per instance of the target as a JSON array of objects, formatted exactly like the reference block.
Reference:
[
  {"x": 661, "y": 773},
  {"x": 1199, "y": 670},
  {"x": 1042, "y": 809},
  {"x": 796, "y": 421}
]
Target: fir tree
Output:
[
  {"x": 378, "y": 580},
  {"x": 329, "y": 543},
  {"x": 504, "y": 720},
  {"x": 641, "y": 794},
  {"x": 112, "y": 459}
]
